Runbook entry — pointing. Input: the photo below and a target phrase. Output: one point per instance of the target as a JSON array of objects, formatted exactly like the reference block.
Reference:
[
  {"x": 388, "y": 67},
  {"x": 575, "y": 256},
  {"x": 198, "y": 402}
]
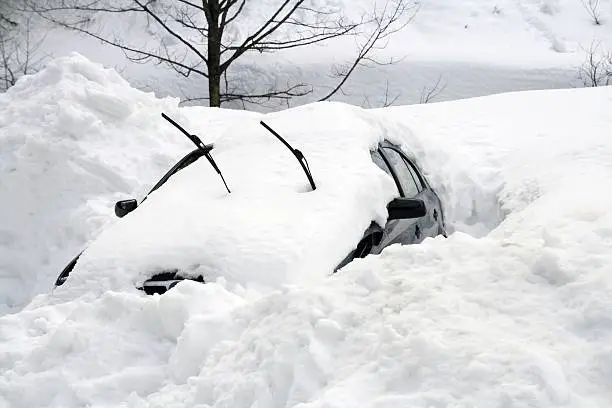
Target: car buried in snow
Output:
[{"x": 201, "y": 232}]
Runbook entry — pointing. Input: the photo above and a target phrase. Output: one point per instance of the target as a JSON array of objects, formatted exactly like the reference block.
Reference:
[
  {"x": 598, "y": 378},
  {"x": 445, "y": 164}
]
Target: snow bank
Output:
[
  {"x": 518, "y": 317},
  {"x": 497, "y": 155},
  {"x": 73, "y": 139}
]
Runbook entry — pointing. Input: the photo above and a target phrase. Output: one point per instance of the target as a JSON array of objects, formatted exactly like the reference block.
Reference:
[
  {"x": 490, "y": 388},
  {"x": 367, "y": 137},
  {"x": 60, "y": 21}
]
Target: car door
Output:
[
  {"x": 405, "y": 231},
  {"x": 432, "y": 223}
]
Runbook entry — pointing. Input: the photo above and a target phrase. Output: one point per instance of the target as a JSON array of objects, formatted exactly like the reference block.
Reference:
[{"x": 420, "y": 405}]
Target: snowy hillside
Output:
[
  {"x": 512, "y": 310},
  {"x": 473, "y": 47}
]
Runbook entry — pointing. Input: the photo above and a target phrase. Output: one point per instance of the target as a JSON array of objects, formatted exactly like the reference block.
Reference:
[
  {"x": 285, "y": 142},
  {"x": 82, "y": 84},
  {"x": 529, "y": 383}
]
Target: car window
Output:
[
  {"x": 382, "y": 163},
  {"x": 415, "y": 175},
  {"x": 402, "y": 171}
]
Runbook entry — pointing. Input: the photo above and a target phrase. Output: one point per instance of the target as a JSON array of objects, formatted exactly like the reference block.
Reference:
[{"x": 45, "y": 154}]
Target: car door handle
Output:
[
  {"x": 417, "y": 232},
  {"x": 435, "y": 214}
]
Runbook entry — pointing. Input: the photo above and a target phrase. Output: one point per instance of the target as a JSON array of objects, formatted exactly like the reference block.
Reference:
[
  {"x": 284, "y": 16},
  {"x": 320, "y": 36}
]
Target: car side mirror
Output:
[
  {"x": 406, "y": 208},
  {"x": 124, "y": 207}
]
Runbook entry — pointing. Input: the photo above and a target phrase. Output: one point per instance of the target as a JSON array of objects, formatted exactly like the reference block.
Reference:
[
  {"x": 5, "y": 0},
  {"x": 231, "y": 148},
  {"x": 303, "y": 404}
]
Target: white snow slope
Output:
[
  {"x": 474, "y": 47},
  {"x": 514, "y": 314}
]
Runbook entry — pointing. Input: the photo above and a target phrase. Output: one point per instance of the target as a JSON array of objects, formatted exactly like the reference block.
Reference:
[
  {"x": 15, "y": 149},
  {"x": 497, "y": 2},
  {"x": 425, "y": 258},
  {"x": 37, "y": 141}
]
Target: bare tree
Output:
[
  {"x": 205, "y": 38},
  {"x": 6, "y": 19},
  {"x": 386, "y": 21},
  {"x": 429, "y": 93},
  {"x": 17, "y": 47},
  {"x": 592, "y": 7},
  {"x": 388, "y": 99},
  {"x": 597, "y": 67}
]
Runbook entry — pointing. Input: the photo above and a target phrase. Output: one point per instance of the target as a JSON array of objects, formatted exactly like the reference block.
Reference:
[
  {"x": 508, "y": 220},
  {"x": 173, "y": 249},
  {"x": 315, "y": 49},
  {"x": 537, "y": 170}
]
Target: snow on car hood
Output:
[{"x": 264, "y": 231}]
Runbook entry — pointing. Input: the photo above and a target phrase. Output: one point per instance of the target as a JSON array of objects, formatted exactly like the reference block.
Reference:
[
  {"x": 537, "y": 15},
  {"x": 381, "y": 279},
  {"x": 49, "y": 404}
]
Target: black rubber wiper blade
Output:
[
  {"x": 298, "y": 154},
  {"x": 196, "y": 140},
  {"x": 204, "y": 147}
]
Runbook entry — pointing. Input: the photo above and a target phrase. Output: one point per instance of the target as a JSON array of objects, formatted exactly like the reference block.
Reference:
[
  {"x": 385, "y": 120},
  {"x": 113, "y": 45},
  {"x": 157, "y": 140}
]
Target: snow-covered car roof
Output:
[{"x": 272, "y": 229}]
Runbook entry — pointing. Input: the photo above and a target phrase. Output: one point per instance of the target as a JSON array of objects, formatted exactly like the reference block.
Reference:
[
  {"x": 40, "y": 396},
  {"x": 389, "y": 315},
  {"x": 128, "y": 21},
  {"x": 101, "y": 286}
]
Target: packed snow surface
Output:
[{"x": 512, "y": 310}]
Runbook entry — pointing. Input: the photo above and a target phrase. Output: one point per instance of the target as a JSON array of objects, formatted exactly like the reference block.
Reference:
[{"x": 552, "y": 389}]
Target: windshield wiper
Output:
[
  {"x": 298, "y": 155},
  {"x": 203, "y": 147}
]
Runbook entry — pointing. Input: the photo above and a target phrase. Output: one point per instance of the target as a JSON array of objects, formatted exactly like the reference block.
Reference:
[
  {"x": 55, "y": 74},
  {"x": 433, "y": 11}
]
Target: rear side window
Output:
[
  {"x": 402, "y": 170},
  {"x": 415, "y": 175},
  {"x": 382, "y": 163}
]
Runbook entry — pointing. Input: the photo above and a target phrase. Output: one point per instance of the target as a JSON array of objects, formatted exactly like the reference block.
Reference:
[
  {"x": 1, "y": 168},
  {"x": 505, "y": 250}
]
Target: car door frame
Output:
[
  {"x": 373, "y": 240},
  {"x": 403, "y": 231},
  {"x": 376, "y": 237},
  {"x": 432, "y": 223}
]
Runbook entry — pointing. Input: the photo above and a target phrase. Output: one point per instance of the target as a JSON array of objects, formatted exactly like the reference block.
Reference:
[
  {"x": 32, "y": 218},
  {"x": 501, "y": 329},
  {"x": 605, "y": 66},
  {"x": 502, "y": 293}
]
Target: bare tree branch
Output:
[
  {"x": 387, "y": 101},
  {"x": 138, "y": 54},
  {"x": 289, "y": 93},
  {"x": 225, "y": 21},
  {"x": 190, "y": 4},
  {"x": 265, "y": 30},
  {"x": 204, "y": 38},
  {"x": 592, "y": 7},
  {"x": 170, "y": 31},
  {"x": 18, "y": 53},
  {"x": 597, "y": 68},
  {"x": 387, "y": 22},
  {"x": 429, "y": 93}
]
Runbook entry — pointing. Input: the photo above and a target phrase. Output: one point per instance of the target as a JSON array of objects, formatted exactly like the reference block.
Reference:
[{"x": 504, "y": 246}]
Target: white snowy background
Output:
[
  {"x": 473, "y": 47},
  {"x": 512, "y": 310}
]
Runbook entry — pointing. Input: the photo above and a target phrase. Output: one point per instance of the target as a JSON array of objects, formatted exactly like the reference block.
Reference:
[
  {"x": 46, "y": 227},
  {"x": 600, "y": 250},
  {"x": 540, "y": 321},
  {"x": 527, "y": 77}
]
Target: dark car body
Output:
[{"x": 411, "y": 184}]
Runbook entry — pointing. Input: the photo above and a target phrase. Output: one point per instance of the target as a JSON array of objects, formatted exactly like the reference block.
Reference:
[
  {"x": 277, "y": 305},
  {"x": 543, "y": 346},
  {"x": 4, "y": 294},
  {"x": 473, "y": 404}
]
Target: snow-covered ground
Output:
[{"x": 512, "y": 310}]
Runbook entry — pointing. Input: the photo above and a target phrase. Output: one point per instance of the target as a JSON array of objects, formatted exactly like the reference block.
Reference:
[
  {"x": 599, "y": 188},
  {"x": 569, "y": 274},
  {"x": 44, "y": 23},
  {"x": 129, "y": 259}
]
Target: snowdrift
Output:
[
  {"x": 74, "y": 139},
  {"x": 512, "y": 310}
]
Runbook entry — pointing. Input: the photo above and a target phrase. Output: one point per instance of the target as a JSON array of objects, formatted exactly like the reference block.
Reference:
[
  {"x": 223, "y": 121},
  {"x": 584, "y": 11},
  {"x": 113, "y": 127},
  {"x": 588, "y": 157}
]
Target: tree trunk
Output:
[
  {"x": 214, "y": 55},
  {"x": 214, "y": 89}
]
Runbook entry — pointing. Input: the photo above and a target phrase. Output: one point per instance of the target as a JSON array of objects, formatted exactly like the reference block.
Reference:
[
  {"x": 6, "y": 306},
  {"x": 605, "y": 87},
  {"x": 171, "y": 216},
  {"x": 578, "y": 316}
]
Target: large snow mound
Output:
[
  {"x": 73, "y": 139},
  {"x": 516, "y": 314}
]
